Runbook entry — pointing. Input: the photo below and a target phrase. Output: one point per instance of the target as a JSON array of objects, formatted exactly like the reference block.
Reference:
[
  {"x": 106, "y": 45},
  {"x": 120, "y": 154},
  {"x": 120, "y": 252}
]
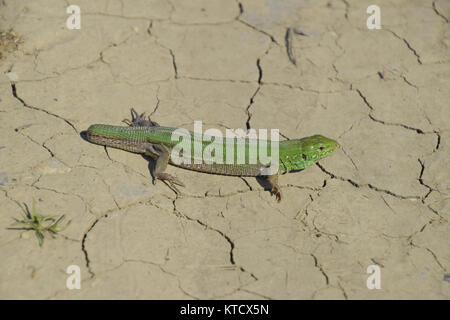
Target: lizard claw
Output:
[
  {"x": 171, "y": 180},
  {"x": 276, "y": 191},
  {"x": 139, "y": 120}
]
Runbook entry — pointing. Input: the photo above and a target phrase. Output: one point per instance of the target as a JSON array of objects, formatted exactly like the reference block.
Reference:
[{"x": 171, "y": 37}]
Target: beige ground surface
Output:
[{"x": 382, "y": 199}]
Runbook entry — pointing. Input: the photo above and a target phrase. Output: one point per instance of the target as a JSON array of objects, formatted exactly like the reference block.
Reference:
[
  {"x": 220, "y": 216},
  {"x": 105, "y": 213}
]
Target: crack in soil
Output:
[
  {"x": 369, "y": 185},
  {"x": 407, "y": 44},
  {"x": 319, "y": 266},
  {"x": 438, "y": 13},
  {"x": 366, "y": 102},
  {"x": 222, "y": 234},
  {"x": 14, "y": 93},
  {"x": 421, "y": 181},
  {"x": 85, "y": 252}
]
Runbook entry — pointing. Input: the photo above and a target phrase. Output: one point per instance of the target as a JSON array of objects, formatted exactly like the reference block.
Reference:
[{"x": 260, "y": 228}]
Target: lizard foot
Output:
[
  {"x": 171, "y": 180},
  {"x": 138, "y": 120},
  {"x": 275, "y": 189},
  {"x": 277, "y": 192}
]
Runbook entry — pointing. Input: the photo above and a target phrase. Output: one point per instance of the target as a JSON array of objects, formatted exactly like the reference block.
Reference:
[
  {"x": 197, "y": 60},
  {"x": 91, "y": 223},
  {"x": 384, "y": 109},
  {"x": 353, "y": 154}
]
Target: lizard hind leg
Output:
[
  {"x": 162, "y": 159},
  {"x": 273, "y": 182},
  {"x": 139, "y": 120}
]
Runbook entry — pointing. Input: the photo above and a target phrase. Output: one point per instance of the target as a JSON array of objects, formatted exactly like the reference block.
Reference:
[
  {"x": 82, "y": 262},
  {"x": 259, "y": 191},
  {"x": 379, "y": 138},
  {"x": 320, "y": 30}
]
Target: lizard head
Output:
[{"x": 317, "y": 147}]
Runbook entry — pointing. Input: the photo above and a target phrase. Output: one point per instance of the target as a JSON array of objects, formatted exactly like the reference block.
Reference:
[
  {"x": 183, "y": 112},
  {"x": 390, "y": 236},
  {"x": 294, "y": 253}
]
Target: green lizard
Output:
[{"x": 147, "y": 137}]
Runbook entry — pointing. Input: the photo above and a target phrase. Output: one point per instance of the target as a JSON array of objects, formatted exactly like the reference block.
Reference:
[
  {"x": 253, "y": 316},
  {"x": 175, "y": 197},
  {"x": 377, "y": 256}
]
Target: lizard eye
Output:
[
  {"x": 321, "y": 148},
  {"x": 303, "y": 156}
]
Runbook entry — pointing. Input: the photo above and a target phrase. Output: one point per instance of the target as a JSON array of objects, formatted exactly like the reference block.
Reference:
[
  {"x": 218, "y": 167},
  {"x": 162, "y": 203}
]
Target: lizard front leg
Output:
[
  {"x": 273, "y": 181},
  {"x": 162, "y": 156}
]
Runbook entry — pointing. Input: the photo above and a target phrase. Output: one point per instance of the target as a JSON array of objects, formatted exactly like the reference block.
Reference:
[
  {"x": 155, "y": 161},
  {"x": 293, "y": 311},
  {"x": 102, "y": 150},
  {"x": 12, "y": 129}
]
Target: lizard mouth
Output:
[
  {"x": 328, "y": 145},
  {"x": 334, "y": 144}
]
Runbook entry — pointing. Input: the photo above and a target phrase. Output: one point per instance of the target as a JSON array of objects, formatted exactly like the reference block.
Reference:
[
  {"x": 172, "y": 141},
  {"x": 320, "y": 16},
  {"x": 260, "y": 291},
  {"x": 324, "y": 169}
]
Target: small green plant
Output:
[{"x": 40, "y": 224}]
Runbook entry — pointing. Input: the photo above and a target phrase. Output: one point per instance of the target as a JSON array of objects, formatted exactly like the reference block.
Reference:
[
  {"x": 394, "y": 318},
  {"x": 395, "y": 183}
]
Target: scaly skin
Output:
[{"x": 146, "y": 137}]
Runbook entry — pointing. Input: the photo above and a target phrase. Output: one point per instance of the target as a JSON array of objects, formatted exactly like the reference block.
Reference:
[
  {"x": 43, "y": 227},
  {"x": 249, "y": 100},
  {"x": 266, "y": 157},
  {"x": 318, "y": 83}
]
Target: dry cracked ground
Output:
[{"x": 304, "y": 67}]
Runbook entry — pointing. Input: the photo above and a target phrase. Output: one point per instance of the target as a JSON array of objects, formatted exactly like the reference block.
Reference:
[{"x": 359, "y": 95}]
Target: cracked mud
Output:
[{"x": 304, "y": 67}]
